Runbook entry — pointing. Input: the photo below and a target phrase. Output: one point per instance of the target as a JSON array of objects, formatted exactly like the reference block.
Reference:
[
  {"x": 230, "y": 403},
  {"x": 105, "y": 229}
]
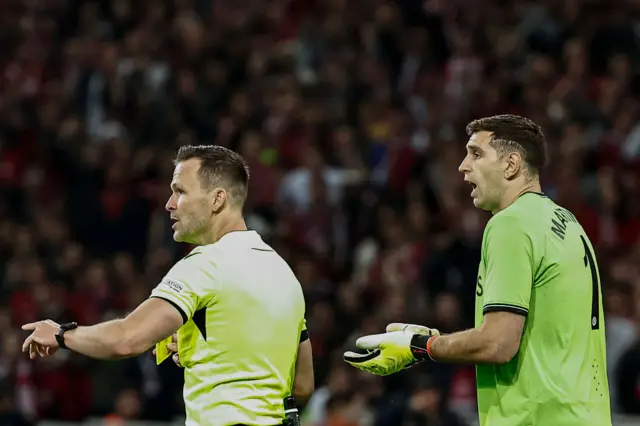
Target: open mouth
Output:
[{"x": 473, "y": 186}]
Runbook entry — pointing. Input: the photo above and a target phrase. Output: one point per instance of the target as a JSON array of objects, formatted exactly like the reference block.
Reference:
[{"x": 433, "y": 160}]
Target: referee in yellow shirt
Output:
[{"x": 236, "y": 306}]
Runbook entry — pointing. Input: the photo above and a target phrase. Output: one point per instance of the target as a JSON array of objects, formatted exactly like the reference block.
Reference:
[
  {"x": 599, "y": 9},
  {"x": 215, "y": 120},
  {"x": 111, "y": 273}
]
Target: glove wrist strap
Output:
[{"x": 420, "y": 347}]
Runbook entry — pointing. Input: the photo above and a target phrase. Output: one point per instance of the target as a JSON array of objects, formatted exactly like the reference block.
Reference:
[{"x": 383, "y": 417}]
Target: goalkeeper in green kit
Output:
[{"x": 539, "y": 337}]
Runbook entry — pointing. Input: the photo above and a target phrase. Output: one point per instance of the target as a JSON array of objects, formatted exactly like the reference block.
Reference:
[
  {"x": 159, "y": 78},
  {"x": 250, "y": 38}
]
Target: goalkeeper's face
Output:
[
  {"x": 483, "y": 170},
  {"x": 189, "y": 204}
]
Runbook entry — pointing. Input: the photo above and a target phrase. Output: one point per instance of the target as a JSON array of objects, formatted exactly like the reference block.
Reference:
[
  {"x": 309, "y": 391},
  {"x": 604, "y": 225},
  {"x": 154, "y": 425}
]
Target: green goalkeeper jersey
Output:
[
  {"x": 538, "y": 262},
  {"x": 244, "y": 318}
]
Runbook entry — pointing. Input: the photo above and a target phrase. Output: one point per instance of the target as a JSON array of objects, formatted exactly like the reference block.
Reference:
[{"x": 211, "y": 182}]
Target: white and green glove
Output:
[{"x": 402, "y": 346}]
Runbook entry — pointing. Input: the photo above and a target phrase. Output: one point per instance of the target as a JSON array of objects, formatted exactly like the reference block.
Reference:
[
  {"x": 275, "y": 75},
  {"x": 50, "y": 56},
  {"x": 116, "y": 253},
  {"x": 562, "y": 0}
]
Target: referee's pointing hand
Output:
[{"x": 42, "y": 340}]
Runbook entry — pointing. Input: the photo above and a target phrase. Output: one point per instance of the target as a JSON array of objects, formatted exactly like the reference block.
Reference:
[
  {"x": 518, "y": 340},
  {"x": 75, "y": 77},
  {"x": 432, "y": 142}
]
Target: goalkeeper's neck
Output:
[{"x": 516, "y": 190}]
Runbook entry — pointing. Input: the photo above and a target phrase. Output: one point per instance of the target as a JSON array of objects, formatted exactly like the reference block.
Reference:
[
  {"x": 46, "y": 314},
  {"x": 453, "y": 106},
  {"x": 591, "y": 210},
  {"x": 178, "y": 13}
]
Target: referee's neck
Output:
[
  {"x": 223, "y": 226},
  {"x": 514, "y": 192}
]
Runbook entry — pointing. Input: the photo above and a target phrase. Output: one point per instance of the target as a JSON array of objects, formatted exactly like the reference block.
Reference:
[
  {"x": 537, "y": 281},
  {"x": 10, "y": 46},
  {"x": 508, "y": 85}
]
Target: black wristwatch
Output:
[{"x": 63, "y": 329}]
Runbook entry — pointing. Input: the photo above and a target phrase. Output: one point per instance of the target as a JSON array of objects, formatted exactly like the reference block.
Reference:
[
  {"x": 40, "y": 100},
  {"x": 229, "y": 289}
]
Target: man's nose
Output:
[
  {"x": 464, "y": 166},
  {"x": 171, "y": 204}
]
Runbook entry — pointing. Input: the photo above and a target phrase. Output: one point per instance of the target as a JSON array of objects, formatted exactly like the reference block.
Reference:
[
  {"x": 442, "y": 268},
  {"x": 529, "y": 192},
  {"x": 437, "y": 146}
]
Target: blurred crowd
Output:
[{"x": 351, "y": 114}]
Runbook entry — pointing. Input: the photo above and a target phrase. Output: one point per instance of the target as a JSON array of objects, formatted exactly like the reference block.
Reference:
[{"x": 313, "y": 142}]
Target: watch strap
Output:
[{"x": 63, "y": 329}]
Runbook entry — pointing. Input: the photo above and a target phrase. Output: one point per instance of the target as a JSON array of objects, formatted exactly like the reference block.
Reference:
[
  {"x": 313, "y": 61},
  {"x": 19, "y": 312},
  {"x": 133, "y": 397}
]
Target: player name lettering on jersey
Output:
[{"x": 559, "y": 226}]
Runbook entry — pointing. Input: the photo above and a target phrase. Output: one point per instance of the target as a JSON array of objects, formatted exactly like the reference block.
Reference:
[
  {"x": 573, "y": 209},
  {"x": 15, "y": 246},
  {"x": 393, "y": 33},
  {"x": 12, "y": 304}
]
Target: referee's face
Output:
[
  {"x": 188, "y": 204},
  {"x": 482, "y": 170}
]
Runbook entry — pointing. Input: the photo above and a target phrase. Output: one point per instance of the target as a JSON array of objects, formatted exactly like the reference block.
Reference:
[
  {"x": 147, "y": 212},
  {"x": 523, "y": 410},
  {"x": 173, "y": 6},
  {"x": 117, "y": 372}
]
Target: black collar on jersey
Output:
[{"x": 540, "y": 194}]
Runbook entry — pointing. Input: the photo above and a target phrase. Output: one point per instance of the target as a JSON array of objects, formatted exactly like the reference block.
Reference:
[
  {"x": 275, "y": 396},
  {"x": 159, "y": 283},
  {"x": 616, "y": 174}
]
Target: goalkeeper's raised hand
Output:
[{"x": 400, "y": 347}]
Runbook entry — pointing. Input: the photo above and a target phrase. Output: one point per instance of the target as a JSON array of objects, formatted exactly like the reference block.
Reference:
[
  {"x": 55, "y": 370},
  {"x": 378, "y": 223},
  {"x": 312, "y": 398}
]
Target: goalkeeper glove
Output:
[{"x": 402, "y": 346}]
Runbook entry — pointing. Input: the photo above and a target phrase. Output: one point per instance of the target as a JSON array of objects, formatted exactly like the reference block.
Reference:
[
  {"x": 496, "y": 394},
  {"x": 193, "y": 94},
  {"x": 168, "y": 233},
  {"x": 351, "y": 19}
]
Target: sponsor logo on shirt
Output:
[{"x": 173, "y": 285}]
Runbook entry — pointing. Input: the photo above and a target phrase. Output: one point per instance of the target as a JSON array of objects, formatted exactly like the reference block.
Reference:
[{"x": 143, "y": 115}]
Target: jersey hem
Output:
[{"x": 505, "y": 307}]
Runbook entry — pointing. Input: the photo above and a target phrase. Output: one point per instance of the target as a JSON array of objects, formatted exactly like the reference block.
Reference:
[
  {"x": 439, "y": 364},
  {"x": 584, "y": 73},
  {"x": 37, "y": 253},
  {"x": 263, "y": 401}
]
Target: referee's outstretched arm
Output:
[
  {"x": 303, "y": 382},
  {"x": 154, "y": 320}
]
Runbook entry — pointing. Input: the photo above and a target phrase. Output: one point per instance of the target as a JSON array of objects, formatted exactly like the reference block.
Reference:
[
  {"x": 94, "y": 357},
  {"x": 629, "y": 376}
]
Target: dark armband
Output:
[{"x": 304, "y": 335}]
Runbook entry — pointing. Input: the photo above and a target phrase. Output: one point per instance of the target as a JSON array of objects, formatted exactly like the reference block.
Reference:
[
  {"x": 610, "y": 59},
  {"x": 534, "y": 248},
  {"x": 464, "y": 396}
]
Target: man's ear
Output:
[
  {"x": 218, "y": 199},
  {"x": 514, "y": 165}
]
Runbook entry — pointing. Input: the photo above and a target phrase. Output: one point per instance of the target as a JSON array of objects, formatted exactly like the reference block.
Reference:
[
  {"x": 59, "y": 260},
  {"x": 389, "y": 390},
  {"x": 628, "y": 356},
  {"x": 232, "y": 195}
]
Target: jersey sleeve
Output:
[
  {"x": 508, "y": 256},
  {"x": 189, "y": 285}
]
